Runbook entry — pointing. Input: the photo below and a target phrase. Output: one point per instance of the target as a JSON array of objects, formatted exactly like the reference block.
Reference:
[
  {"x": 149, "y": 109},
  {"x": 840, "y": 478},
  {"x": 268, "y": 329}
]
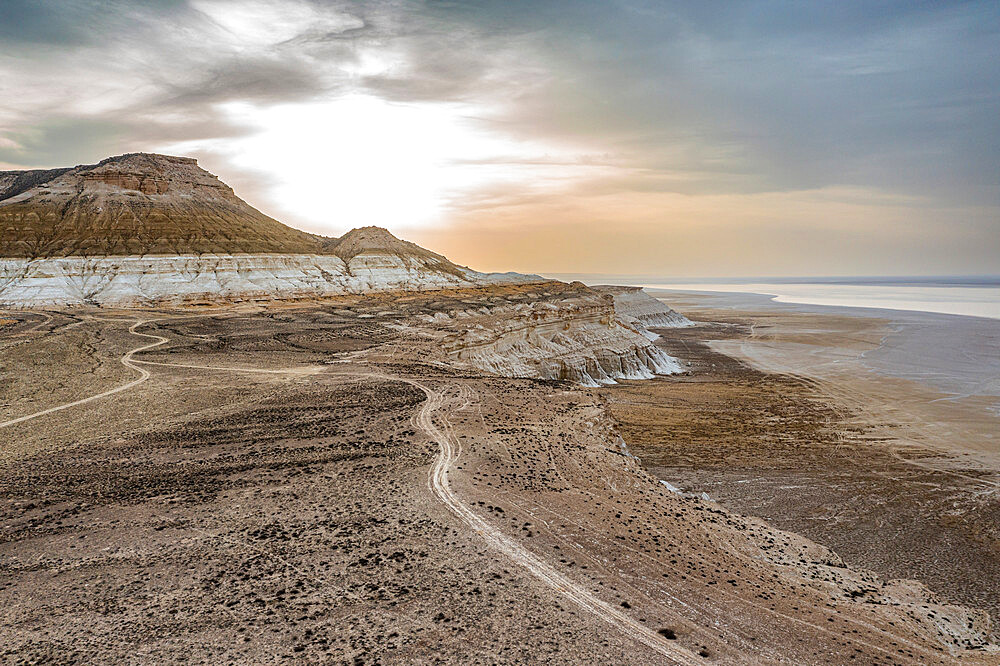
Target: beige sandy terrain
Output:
[{"x": 306, "y": 483}]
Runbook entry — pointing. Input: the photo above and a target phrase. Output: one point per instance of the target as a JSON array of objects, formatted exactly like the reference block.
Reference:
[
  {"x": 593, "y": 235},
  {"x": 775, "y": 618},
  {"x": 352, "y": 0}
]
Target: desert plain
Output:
[
  {"x": 307, "y": 482},
  {"x": 783, "y": 417}
]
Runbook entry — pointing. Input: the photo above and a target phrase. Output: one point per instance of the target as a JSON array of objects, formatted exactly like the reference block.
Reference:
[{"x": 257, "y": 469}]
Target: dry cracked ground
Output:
[{"x": 267, "y": 495}]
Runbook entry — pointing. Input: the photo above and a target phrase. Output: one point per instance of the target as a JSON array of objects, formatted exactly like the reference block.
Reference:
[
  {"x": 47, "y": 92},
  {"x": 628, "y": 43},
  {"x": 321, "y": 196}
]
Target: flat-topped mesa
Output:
[
  {"x": 148, "y": 173},
  {"x": 133, "y": 205},
  {"x": 143, "y": 229},
  {"x": 151, "y": 174}
]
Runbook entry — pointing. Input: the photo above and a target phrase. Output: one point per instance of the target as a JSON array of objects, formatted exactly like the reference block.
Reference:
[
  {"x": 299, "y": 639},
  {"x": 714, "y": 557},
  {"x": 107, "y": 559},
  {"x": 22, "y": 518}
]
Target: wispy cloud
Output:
[{"x": 558, "y": 102}]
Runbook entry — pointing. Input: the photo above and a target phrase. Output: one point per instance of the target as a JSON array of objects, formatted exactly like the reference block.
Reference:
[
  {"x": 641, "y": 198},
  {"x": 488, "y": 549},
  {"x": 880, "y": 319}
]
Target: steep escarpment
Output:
[
  {"x": 641, "y": 311},
  {"x": 581, "y": 342},
  {"x": 548, "y": 331}
]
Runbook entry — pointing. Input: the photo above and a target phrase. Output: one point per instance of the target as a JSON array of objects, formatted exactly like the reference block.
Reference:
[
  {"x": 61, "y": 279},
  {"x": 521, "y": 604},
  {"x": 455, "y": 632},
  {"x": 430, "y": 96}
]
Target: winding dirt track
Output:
[
  {"x": 126, "y": 360},
  {"x": 437, "y": 482}
]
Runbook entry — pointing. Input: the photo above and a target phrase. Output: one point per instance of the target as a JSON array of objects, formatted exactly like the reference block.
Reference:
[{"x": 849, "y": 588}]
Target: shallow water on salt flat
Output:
[
  {"x": 944, "y": 332},
  {"x": 970, "y": 301}
]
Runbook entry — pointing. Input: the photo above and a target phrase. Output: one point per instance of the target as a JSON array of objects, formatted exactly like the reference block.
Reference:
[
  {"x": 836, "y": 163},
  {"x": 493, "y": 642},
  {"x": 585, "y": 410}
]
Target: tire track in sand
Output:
[
  {"x": 126, "y": 360},
  {"x": 437, "y": 481}
]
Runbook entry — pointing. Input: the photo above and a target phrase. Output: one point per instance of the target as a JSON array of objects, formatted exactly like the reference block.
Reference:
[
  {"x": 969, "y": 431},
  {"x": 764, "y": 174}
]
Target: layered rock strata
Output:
[
  {"x": 144, "y": 229},
  {"x": 178, "y": 279},
  {"x": 641, "y": 311},
  {"x": 567, "y": 332},
  {"x": 135, "y": 205}
]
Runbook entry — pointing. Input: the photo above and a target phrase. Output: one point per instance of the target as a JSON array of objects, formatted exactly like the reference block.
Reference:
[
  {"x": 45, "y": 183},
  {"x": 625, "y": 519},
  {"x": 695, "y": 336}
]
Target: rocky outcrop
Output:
[
  {"x": 130, "y": 181},
  {"x": 560, "y": 331},
  {"x": 142, "y": 229},
  {"x": 641, "y": 311}
]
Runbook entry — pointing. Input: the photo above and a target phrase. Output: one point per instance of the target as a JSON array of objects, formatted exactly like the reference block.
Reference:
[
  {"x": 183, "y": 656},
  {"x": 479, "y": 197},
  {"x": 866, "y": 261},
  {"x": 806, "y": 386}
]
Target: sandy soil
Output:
[{"x": 285, "y": 487}]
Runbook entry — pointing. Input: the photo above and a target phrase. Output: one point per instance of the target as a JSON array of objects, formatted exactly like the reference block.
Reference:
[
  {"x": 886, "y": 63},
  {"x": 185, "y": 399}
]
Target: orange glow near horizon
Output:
[
  {"x": 565, "y": 137},
  {"x": 429, "y": 174}
]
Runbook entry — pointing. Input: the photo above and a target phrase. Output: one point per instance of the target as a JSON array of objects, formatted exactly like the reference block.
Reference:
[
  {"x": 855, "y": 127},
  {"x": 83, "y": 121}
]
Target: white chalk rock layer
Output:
[
  {"x": 580, "y": 340},
  {"x": 642, "y": 312},
  {"x": 149, "y": 280}
]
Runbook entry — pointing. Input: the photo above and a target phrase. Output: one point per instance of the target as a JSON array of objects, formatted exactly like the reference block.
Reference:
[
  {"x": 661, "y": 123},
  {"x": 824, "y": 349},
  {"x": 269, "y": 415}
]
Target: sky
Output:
[{"x": 683, "y": 139}]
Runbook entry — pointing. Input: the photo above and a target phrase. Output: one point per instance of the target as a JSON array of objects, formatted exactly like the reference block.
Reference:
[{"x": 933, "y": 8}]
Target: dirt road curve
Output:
[
  {"x": 126, "y": 360},
  {"x": 437, "y": 482}
]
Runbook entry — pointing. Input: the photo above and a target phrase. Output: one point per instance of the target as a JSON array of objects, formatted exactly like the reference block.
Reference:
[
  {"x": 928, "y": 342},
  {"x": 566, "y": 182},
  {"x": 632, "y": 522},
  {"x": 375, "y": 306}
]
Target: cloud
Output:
[
  {"x": 62, "y": 23},
  {"x": 157, "y": 70},
  {"x": 641, "y": 100},
  {"x": 788, "y": 97}
]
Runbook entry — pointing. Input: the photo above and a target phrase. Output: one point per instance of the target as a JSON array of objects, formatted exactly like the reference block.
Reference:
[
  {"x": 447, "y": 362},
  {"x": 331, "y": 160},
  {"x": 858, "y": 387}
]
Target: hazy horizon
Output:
[
  {"x": 685, "y": 139},
  {"x": 970, "y": 279},
  {"x": 970, "y": 296}
]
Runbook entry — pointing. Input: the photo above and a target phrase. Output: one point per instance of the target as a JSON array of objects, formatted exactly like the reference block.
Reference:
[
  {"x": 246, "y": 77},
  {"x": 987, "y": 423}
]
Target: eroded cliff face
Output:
[
  {"x": 130, "y": 181},
  {"x": 643, "y": 312},
  {"x": 579, "y": 342},
  {"x": 550, "y": 331}
]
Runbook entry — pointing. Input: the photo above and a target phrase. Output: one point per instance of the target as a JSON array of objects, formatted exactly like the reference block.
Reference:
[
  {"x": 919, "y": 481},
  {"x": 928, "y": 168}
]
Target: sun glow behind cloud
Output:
[
  {"x": 360, "y": 160},
  {"x": 617, "y": 137}
]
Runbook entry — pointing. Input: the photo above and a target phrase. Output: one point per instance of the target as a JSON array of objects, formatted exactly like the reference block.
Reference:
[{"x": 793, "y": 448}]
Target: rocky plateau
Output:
[
  {"x": 146, "y": 230},
  {"x": 226, "y": 440}
]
